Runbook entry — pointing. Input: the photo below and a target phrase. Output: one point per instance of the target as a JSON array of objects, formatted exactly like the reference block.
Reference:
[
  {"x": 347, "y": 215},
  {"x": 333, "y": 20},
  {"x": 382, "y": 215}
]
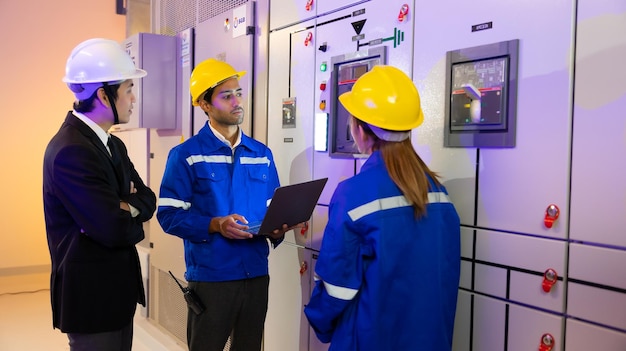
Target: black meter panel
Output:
[
  {"x": 346, "y": 69},
  {"x": 481, "y": 95}
]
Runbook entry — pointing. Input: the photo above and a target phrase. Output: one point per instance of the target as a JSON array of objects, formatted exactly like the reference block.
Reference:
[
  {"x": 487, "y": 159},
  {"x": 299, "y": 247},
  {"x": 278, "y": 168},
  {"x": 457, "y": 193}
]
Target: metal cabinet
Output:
[
  {"x": 291, "y": 77},
  {"x": 286, "y": 327},
  {"x": 583, "y": 336},
  {"x": 155, "y": 93},
  {"x": 297, "y": 54},
  {"x": 286, "y": 13},
  {"x": 506, "y": 189},
  {"x": 489, "y": 324},
  {"x": 598, "y": 165},
  {"x": 596, "y": 292}
]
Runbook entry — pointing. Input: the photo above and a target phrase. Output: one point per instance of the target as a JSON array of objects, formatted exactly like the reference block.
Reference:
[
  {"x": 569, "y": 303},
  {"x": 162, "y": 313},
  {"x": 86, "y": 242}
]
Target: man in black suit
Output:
[{"x": 95, "y": 204}]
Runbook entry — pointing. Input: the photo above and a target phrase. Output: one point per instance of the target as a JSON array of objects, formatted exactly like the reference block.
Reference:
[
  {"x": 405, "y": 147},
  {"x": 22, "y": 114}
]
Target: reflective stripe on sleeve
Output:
[
  {"x": 339, "y": 292},
  {"x": 391, "y": 203},
  {"x": 164, "y": 201}
]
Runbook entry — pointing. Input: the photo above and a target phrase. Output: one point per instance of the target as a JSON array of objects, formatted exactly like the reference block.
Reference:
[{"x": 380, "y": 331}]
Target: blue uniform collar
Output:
[
  {"x": 216, "y": 144},
  {"x": 373, "y": 161},
  {"x": 223, "y": 139}
]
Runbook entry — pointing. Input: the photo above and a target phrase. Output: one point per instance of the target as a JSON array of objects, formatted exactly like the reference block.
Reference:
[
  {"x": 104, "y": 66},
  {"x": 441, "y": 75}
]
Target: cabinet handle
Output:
[
  {"x": 547, "y": 342},
  {"x": 550, "y": 277},
  {"x": 552, "y": 214}
]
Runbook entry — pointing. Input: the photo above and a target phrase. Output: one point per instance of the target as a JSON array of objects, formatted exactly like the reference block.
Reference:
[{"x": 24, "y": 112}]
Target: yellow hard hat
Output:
[
  {"x": 208, "y": 74},
  {"x": 385, "y": 97}
]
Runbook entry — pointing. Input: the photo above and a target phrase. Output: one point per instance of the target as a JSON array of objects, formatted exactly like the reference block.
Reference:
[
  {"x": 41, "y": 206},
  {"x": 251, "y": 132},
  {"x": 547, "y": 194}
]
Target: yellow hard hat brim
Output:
[{"x": 237, "y": 75}]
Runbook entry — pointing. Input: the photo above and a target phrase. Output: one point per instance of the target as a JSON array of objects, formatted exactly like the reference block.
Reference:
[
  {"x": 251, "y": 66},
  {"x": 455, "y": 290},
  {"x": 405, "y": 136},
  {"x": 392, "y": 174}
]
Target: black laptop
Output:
[{"x": 291, "y": 204}]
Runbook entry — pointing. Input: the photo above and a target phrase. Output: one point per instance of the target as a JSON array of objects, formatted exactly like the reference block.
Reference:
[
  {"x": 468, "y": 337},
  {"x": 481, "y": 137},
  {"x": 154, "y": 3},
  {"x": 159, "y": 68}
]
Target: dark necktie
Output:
[
  {"x": 119, "y": 168},
  {"x": 114, "y": 153}
]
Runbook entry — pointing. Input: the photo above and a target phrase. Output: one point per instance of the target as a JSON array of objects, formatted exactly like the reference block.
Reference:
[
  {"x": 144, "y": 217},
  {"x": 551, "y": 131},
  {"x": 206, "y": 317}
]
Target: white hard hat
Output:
[{"x": 97, "y": 61}]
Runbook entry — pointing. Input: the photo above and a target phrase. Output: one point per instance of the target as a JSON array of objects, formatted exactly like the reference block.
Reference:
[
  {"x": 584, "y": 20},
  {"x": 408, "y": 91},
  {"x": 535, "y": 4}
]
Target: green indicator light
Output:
[{"x": 323, "y": 67}]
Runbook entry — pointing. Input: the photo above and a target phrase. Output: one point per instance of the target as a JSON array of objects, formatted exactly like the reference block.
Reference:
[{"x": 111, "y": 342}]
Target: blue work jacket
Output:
[
  {"x": 386, "y": 280},
  {"x": 205, "y": 178}
]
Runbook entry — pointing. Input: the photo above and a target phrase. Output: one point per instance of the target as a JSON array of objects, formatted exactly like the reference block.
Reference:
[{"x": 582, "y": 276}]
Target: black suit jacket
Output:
[{"x": 96, "y": 278}]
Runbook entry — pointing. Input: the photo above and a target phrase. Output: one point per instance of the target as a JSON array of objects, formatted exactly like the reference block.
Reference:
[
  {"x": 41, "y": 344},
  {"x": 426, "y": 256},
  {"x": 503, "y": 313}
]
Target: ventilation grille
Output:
[
  {"x": 211, "y": 8},
  {"x": 167, "y": 306},
  {"x": 174, "y": 16}
]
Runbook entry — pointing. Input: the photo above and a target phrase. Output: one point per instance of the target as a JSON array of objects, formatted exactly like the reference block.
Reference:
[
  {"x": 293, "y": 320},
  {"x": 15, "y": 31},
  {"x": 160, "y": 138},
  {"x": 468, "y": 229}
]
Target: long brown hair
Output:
[{"x": 407, "y": 170}]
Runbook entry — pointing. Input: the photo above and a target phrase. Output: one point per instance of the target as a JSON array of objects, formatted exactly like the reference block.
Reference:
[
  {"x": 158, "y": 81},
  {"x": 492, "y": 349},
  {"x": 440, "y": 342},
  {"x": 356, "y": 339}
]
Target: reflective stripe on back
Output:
[{"x": 389, "y": 203}]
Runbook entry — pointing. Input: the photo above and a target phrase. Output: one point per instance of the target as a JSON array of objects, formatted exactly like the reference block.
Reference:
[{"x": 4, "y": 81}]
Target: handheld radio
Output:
[{"x": 190, "y": 297}]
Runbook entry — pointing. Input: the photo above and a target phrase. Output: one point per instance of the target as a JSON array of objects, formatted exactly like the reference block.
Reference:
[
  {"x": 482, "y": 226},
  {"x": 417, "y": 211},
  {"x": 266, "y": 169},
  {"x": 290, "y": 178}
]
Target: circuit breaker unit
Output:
[
  {"x": 346, "y": 69},
  {"x": 481, "y": 95}
]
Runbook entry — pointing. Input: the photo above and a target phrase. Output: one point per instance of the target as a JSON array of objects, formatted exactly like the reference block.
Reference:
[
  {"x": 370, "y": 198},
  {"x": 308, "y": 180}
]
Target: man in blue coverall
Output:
[{"x": 214, "y": 183}]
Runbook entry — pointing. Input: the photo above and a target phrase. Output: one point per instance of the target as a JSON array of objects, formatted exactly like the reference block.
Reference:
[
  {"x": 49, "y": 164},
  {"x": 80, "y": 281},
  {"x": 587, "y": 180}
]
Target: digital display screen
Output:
[
  {"x": 350, "y": 72},
  {"x": 483, "y": 74},
  {"x": 489, "y": 76}
]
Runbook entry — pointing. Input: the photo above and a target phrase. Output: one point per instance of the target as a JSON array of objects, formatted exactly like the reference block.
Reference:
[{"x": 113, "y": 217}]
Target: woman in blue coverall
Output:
[{"x": 388, "y": 269}]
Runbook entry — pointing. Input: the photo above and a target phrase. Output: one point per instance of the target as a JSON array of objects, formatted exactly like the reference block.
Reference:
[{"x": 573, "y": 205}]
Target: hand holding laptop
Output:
[
  {"x": 231, "y": 227},
  {"x": 235, "y": 226},
  {"x": 253, "y": 228},
  {"x": 290, "y": 208},
  {"x": 279, "y": 233}
]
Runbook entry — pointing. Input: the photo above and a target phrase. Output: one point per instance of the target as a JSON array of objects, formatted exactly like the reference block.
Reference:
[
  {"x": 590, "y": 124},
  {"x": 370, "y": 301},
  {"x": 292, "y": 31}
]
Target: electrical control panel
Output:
[{"x": 156, "y": 92}]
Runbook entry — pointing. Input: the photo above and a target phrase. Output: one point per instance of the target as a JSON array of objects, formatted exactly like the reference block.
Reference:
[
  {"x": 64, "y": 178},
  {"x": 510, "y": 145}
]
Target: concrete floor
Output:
[{"x": 26, "y": 320}]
